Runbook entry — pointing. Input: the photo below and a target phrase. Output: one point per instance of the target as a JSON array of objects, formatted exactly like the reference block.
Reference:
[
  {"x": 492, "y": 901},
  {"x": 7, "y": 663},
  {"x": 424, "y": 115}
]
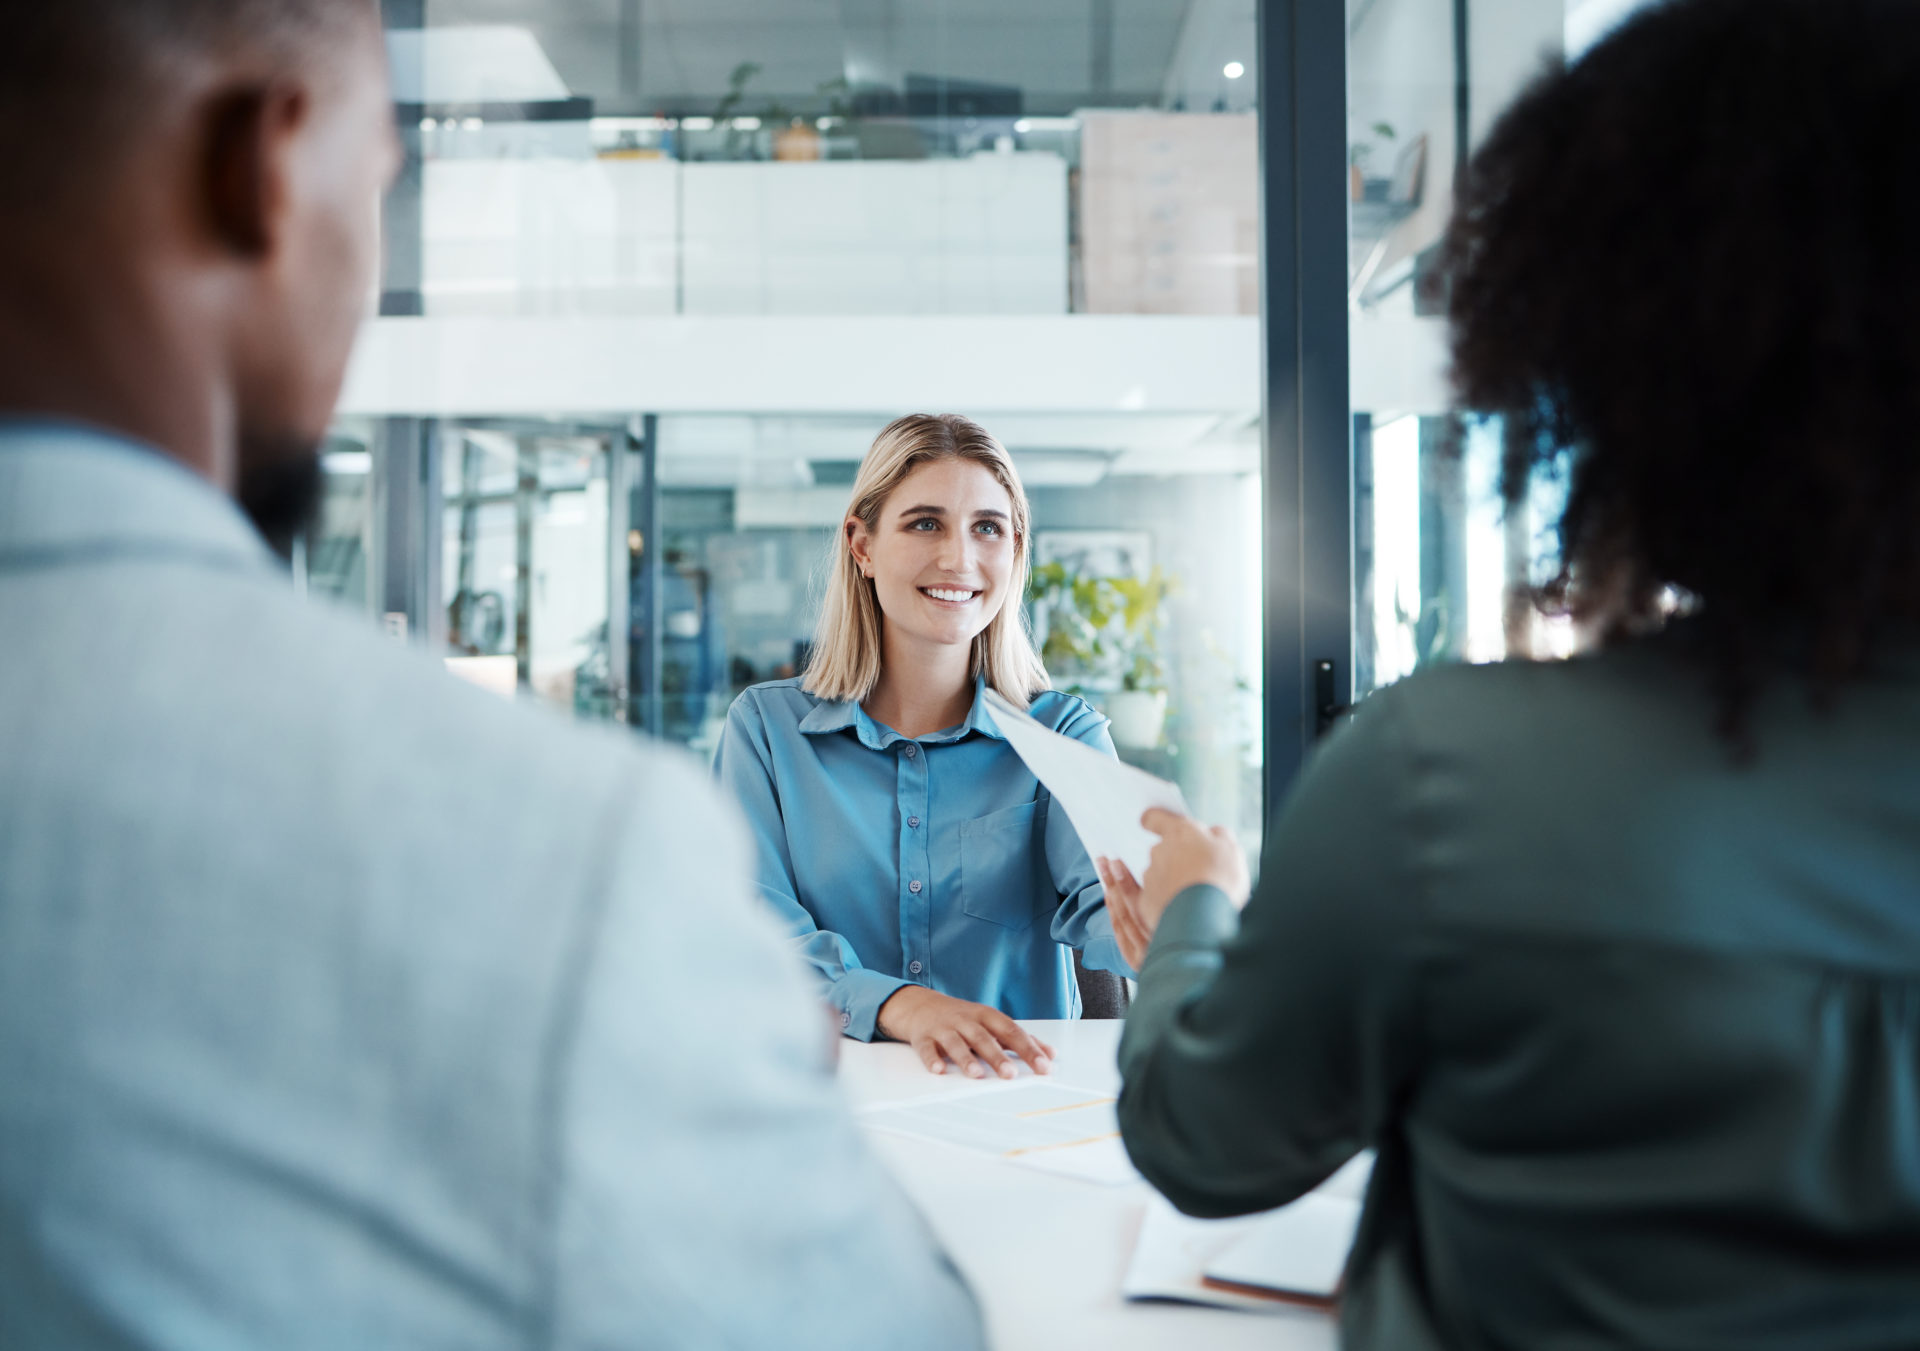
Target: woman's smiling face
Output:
[{"x": 941, "y": 553}]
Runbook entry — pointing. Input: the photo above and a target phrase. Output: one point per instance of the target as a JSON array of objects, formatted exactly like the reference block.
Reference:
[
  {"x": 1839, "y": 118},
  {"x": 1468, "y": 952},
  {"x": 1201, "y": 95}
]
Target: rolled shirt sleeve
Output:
[{"x": 743, "y": 764}]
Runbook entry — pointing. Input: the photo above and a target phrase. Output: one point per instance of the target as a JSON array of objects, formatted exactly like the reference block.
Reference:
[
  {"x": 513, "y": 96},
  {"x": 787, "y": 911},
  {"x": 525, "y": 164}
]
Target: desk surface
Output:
[{"x": 1045, "y": 1254}]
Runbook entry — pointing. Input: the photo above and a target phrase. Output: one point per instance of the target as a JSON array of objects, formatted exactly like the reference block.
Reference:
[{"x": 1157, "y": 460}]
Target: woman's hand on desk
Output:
[
  {"x": 941, "y": 1028},
  {"x": 1189, "y": 854}
]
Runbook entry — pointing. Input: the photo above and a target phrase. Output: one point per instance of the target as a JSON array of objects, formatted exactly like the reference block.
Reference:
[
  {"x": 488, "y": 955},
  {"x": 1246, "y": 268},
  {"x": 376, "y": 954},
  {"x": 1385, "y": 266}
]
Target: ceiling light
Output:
[{"x": 1233, "y": 70}]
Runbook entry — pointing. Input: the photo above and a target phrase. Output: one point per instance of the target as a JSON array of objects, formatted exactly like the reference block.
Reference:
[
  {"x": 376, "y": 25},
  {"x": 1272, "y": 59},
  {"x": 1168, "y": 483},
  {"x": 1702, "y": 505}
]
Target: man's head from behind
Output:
[{"x": 189, "y": 214}]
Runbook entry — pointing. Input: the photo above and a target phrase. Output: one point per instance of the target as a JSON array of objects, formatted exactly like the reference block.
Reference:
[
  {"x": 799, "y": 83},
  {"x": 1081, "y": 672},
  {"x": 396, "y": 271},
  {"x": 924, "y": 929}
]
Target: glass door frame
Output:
[{"x": 1306, "y": 420}]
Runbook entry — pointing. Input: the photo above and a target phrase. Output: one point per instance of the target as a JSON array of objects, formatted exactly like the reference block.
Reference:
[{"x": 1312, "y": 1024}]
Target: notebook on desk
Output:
[
  {"x": 1296, "y": 1253},
  {"x": 1292, "y": 1258}
]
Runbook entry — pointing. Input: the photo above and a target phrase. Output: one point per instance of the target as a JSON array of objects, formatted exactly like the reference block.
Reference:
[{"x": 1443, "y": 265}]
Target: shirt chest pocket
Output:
[{"x": 1003, "y": 869}]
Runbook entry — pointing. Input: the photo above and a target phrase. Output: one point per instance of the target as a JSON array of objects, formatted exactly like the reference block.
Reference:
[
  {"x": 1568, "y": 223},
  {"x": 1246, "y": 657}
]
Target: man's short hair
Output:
[{"x": 77, "y": 76}]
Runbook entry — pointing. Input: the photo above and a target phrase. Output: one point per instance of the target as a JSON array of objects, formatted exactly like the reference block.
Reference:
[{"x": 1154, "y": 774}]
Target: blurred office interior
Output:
[{"x": 657, "y": 271}]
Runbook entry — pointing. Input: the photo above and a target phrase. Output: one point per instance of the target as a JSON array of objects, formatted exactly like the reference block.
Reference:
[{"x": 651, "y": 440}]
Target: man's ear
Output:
[{"x": 250, "y": 136}]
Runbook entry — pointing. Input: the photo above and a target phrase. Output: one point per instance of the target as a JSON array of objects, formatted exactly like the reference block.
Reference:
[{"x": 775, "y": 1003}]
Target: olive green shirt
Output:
[{"x": 1635, "y": 1028}]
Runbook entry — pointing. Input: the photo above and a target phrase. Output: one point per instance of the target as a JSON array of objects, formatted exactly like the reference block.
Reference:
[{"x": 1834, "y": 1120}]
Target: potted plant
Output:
[
  {"x": 1139, "y": 707},
  {"x": 1102, "y": 634}
]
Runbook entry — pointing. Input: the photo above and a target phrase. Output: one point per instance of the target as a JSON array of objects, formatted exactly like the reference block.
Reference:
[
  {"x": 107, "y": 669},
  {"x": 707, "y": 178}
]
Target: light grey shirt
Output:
[{"x": 342, "y": 1005}]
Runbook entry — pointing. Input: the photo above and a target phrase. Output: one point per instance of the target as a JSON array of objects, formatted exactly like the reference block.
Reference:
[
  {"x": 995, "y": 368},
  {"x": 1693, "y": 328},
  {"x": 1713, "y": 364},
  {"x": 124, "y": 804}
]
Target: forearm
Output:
[
  {"x": 1184, "y": 958},
  {"x": 1203, "y": 1120}
]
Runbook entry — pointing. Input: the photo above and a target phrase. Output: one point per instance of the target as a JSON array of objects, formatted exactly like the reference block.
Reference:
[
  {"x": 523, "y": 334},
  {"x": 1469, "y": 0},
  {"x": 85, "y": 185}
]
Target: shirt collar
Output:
[
  {"x": 67, "y": 488},
  {"x": 838, "y": 716}
]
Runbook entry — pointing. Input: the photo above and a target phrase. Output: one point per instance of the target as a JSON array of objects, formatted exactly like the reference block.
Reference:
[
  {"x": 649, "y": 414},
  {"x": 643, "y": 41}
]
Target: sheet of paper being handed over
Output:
[{"x": 1103, "y": 798}]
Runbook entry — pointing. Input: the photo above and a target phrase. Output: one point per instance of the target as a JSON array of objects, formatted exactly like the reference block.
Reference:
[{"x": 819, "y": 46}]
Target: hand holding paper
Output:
[
  {"x": 1188, "y": 854},
  {"x": 1137, "y": 828}
]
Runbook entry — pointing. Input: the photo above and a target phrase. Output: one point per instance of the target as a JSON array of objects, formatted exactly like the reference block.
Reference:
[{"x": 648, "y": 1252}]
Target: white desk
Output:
[{"x": 1045, "y": 1254}]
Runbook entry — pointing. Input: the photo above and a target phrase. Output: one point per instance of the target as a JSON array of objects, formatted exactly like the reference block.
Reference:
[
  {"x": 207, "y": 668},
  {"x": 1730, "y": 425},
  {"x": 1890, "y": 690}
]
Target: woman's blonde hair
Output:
[{"x": 845, "y": 663}]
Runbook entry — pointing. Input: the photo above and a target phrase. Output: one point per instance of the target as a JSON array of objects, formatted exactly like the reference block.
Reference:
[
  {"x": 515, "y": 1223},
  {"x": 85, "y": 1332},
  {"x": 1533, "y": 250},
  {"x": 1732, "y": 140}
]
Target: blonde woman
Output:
[{"x": 919, "y": 864}]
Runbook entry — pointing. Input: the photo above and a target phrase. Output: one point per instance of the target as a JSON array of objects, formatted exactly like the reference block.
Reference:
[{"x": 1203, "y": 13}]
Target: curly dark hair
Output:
[{"x": 1685, "y": 271}]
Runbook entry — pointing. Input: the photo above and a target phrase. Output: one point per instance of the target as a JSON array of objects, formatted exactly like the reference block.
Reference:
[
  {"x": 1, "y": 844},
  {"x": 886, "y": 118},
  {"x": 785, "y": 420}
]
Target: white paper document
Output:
[
  {"x": 1102, "y": 797},
  {"x": 1049, "y": 1126},
  {"x": 1268, "y": 1263},
  {"x": 1299, "y": 1249}
]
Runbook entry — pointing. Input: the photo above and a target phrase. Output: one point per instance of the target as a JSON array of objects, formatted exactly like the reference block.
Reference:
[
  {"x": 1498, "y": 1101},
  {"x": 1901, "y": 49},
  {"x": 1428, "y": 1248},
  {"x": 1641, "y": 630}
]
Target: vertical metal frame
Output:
[
  {"x": 1307, "y": 423},
  {"x": 526, "y": 504},
  {"x": 406, "y": 510},
  {"x": 402, "y": 238},
  {"x": 620, "y": 475},
  {"x": 645, "y": 599}
]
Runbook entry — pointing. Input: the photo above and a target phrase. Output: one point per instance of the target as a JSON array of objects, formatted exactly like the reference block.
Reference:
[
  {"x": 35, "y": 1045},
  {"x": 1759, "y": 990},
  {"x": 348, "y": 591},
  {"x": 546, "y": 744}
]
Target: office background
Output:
[{"x": 657, "y": 270}]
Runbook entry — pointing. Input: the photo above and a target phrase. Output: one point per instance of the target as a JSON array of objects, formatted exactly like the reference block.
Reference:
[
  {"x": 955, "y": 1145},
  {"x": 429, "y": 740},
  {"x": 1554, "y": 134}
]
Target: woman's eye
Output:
[
  {"x": 989, "y": 527},
  {"x": 926, "y": 522}
]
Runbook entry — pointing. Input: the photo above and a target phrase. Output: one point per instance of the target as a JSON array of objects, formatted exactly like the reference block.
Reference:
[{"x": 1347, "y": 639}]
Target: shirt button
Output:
[
  {"x": 913, "y": 822},
  {"x": 914, "y": 886},
  {"x": 912, "y": 751},
  {"x": 914, "y": 967},
  {"x": 846, "y": 1020}
]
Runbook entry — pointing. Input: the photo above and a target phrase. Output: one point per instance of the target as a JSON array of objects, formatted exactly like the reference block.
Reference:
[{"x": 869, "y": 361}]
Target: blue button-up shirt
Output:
[{"x": 936, "y": 861}]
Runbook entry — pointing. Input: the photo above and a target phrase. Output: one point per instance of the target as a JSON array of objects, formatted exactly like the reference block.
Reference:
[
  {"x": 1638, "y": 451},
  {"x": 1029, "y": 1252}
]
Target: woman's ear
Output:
[{"x": 857, "y": 545}]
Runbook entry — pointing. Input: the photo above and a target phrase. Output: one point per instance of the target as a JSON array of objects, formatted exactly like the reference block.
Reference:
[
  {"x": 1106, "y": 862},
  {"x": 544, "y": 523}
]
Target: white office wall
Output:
[
  {"x": 984, "y": 235},
  {"x": 1117, "y": 366},
  {"x": 556, "y": 236},
  {"x": 548, "y": 237},
  {"x": 475, "y": 367}
]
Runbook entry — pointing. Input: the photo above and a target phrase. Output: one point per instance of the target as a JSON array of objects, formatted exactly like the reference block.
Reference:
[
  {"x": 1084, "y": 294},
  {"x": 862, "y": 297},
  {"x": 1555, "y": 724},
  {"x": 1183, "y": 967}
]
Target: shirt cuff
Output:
[
  {"x": 1101, "y": 950},
  {"x": 857, "y": 997},
  {"x": 1199, "y": 918}
]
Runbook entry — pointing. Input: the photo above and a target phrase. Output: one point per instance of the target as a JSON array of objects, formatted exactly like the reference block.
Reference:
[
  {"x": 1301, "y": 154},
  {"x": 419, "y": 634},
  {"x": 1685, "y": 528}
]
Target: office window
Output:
[{"x": 657, "y": 274}]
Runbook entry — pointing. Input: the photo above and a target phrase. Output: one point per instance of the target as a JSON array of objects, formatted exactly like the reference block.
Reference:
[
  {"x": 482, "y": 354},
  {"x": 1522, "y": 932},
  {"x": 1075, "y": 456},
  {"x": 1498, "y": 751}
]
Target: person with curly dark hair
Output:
[{"x": 1616, "y": 962}]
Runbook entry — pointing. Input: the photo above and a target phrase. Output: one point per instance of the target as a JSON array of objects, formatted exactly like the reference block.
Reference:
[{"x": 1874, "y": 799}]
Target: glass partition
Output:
[{"x": 657, "y": 275}]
